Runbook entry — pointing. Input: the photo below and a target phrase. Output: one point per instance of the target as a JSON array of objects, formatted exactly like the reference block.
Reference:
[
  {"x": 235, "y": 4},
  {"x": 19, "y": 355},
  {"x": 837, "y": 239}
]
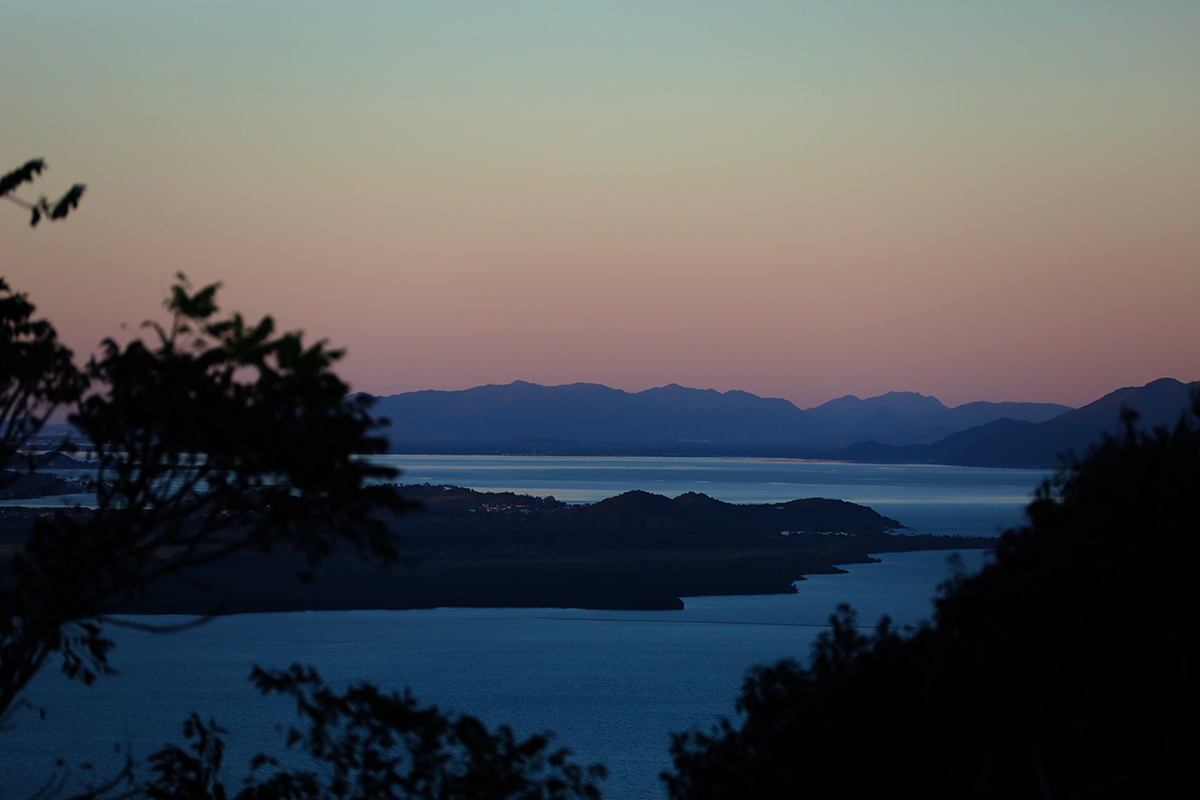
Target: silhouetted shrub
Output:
[{"x": 1064, "y": 669}]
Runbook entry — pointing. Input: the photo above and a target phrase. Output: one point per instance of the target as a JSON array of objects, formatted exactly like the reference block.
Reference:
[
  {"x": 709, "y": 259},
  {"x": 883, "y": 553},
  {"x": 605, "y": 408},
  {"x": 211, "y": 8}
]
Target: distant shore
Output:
[{"x": 634, "y": 551}]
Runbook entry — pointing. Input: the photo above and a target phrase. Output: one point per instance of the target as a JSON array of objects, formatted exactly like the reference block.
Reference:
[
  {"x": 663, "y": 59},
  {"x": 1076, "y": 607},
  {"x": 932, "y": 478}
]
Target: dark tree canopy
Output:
[
  {"x": 37, "y": 374},
  {"x": 210, "y": 437},
  {"x": 1064, "y": 669},
  {"x": 213, "y": 436},
  {"x": 365, "y": 744}
]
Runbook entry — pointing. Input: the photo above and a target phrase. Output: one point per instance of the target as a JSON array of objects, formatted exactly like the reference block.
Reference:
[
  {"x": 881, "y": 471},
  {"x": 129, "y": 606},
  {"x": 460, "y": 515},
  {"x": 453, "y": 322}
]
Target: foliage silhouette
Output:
[
  {"x": 42, "y": 208},
  {"x": 1063, "y": 669},
  {"x": 213, "y": 438},
  {"x": 37, "y": 374},
  {"x": 367, "y": 744}
]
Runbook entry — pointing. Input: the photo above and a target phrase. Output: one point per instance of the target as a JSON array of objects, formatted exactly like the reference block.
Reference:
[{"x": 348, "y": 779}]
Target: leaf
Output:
[
  {"x": 68, "y": 202},
  {"x": 22, "y": 174}
]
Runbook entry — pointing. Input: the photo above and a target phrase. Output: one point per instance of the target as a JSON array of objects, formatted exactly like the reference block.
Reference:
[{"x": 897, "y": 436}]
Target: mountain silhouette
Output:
[
  {"x": 589, "y": 412},
  {"x": 592, "y": 413},
  {"x": 910, "y": 418},
  {"x": 588, "y": 418},
  {"x": 1012, "y": 443}
]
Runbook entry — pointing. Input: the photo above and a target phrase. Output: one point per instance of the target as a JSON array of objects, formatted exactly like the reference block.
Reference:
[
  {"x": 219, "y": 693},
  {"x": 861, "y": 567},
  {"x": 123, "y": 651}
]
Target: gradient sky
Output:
[{"x": 973, "y": 200}]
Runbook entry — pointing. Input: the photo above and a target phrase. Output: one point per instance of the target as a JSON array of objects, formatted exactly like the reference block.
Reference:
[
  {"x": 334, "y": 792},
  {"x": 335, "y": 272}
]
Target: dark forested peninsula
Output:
[{"x": 478, "y": 549}]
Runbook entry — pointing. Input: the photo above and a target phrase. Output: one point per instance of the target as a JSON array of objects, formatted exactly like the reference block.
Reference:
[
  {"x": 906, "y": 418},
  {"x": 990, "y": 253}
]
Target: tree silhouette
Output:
[
  {"x": 37, "y": 374},
  {"x": 209, "y": 438},
  {"x": 1064, "y": 669},
  {"x": 215, "y": 437},
  {"x": 365, "y": 744},
  {"x": 42, "y": 207}
]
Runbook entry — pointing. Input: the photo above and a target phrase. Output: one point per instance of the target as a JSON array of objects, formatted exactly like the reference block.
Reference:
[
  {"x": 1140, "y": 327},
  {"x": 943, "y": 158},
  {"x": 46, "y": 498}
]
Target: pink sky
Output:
[{"x": 996, "y": 203}]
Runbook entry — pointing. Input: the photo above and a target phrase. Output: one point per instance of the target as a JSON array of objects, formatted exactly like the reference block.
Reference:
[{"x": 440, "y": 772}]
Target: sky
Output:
[{"x": 978, "y": 201}]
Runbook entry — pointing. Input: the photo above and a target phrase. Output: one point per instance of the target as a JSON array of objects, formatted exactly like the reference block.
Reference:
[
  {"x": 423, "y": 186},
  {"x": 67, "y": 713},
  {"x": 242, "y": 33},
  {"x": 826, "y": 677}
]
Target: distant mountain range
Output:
[
  {"x": 1009, "y": 443},
  {"x": 911, "y": 418},
  {"x": 589, "y": 412},
  {"x": 583, "y": 418}
]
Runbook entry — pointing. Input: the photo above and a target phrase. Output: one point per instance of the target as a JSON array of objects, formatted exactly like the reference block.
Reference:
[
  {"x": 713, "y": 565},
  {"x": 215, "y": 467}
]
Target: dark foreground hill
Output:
[
  {"x": 634, "y": 551},
  {"x": 1066, "y": 668}
]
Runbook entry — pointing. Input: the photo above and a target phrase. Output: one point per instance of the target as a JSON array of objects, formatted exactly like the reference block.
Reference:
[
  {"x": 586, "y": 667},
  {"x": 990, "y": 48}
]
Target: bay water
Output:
[{"x": 611, "y": 685}]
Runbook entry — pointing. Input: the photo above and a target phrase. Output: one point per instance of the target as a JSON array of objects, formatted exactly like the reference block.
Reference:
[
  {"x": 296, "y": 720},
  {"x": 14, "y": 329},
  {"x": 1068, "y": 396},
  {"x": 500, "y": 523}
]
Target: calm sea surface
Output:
[
  {"x": 612, "y": 685},
  {"x": 927, "y": 498}
]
